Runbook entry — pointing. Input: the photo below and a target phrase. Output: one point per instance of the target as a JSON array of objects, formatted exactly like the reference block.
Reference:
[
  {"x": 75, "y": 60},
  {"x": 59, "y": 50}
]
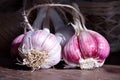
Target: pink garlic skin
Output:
[
  {"x": 15, "y": 44},
  {"x": 103, "y": 48},
  {"x": 42, "y": 40},
  {"x": 88, "y": 50},
  {"x": 72, "y": 52},
  {"x": 88, "y": 44}
]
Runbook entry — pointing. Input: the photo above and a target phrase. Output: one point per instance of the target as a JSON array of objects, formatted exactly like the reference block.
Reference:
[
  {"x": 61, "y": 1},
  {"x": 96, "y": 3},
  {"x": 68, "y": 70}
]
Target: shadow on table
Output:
[{"x": 7, "y": 62}]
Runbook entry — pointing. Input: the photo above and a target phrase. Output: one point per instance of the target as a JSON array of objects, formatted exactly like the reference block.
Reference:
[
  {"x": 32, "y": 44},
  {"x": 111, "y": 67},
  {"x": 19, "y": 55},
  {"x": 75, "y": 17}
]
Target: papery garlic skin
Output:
[
  {"x": 88, "y": 44},
  {"x": 90, "y": 51},
  {"x": 15, "y": 44},
  {"x": 40, "y": 49},
  {"x": 103, "y": 45},
  {"x": 71, "y": 51}
]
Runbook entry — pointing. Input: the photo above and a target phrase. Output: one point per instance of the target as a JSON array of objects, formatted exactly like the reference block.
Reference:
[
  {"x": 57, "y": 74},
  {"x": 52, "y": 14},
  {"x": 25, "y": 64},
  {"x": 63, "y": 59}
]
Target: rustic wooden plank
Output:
[{"x": 107, "y": 72}]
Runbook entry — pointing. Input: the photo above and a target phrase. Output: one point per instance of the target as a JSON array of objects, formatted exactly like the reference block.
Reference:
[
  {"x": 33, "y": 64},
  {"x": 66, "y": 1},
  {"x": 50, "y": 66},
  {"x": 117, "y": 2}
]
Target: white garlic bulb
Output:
[{"x": 40, "y": 49}]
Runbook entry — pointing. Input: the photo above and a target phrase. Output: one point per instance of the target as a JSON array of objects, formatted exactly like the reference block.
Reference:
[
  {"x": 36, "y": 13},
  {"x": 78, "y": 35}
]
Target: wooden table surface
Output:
[{"x": 107, "y": 72}]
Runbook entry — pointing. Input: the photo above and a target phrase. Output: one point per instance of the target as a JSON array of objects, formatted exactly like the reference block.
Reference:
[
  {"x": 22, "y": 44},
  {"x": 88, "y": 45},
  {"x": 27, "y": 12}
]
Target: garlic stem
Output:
[
  {"x": 39, "y": 19},
  {"x": 55, "y": 5},
  {"x": 81, "y": 24},
  {"x": 46, "y": 21},
  {"x": 56, "y": 19},
  {"x": 27, "y": 22},
  {"x": 84, "y": 27},
  {"x": 58, "y": 25},
  {"x": 47, "y": 30},
  {"x": 62, "y": 5},
  {"x": 79, "y": 20}
]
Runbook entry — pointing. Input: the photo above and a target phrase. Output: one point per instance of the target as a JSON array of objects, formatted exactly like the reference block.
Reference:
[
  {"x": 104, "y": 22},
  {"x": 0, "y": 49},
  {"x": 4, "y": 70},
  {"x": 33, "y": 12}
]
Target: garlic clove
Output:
[
  {"x": 27, "y": 41},
  {"x": 53, "y": 57},
  {"x": 49, "y": 40},
  {"x": 103, "y": 48},
  {"x": 72, "y": 53},
  {"x": 38, "y": 42},
  {"x": 88, "y": 45}
]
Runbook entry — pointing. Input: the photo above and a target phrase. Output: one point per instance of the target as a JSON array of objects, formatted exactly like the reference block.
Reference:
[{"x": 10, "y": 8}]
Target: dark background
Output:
[{"x": 94, "y": 11}]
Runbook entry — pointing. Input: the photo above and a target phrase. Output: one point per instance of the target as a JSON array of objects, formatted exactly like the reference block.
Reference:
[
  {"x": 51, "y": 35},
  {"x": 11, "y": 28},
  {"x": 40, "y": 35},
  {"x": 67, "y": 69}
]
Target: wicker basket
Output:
[{"x": 104, "y": 17}]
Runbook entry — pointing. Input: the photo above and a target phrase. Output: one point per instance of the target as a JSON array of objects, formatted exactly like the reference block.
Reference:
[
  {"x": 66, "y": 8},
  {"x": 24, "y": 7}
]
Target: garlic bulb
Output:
[
  {"x": 15, "y": 44},
  {"x": 40, "y": 49},
  {"x": 87, "y": 49}
]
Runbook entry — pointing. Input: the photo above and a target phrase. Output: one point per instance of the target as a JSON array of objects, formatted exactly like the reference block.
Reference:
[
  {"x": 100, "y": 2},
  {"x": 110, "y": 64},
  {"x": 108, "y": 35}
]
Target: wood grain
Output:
[{"x": 107, "y": 72}]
